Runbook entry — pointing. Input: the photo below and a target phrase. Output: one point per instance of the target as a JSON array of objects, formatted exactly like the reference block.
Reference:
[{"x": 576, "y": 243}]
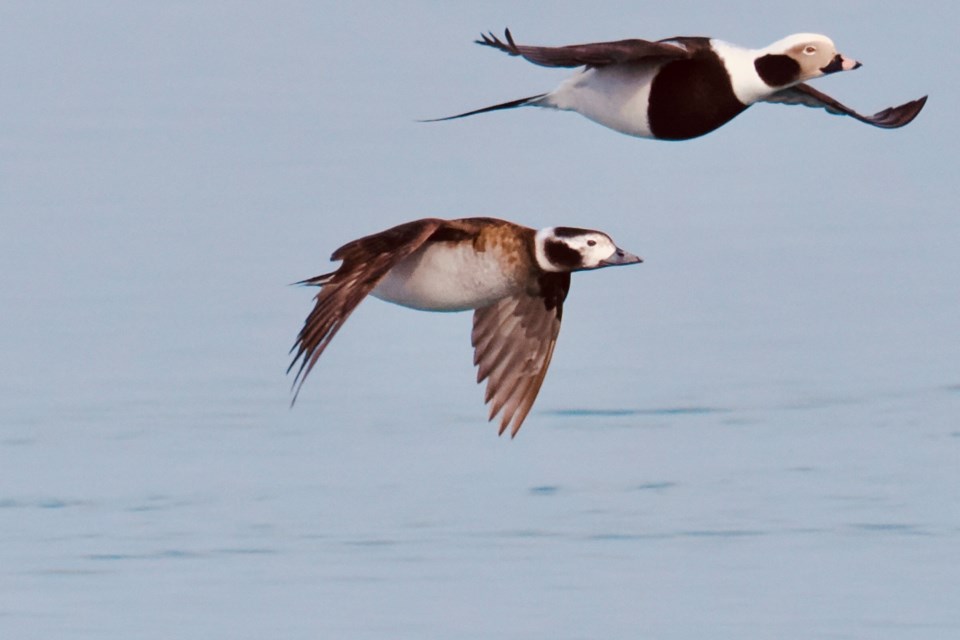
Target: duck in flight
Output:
[
  {"x": 513, "y": 277},
  {"x": 685, "y": 87}
]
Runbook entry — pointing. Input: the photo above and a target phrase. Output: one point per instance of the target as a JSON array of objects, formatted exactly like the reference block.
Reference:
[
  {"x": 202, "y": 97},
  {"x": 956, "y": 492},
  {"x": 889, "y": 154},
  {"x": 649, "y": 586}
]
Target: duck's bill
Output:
[
  {"x": 619, "y": 257},
  {"x": 841, "y": 63}
]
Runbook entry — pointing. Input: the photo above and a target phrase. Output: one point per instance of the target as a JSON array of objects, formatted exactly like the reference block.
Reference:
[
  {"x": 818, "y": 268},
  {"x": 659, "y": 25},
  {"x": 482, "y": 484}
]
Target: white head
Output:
[
  {"x": 800, "y": 57},
  {"x": 560, "y": 249}
]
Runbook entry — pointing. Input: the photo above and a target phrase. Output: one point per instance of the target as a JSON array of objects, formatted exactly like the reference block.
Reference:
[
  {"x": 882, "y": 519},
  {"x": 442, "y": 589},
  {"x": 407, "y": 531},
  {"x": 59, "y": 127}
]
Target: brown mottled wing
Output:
[
  {"x": 889, "y": 118},
  {"x": 365, "y": 262},
  {"x": 598, "y": 54},
  {"x": 513, "y": 342}
]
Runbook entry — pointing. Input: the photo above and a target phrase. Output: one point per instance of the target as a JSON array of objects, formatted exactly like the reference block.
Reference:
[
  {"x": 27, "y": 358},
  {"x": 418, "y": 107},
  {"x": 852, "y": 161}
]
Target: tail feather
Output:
[
  {"x": 317, "y": 281},
  {"x": 504, "y": 105}
]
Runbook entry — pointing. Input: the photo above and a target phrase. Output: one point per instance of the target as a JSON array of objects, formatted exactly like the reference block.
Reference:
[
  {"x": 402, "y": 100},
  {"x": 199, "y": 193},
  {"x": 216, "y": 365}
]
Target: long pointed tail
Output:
[
  {"x": 505, "y": 105},
  {"x": 316, "y": 281}
]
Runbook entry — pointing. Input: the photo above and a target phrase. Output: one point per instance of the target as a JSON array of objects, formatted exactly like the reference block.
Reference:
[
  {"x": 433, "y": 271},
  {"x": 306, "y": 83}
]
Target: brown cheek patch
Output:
[
  {"x": 777, "y": 70},
  {"x": 561, "y": 255}
]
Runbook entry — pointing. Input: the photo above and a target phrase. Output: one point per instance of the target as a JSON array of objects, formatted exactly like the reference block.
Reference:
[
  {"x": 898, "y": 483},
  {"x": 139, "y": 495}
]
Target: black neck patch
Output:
[
  {"x": 777, "y": 70},
  {"x": 562, "y": 256}
]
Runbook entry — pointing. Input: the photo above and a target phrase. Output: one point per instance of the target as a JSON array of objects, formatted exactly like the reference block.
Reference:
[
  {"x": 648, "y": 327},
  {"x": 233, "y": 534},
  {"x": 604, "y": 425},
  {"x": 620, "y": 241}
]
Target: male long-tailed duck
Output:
[
  {"x": 513, "y": 277},
  {"x": 685, "y": 87}
]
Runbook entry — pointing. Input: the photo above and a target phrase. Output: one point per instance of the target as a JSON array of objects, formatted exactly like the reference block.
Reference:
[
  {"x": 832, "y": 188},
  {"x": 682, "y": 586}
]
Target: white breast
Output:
[
  {"x": 448, "y": 277},
  {"x": 615, "y": 96}
]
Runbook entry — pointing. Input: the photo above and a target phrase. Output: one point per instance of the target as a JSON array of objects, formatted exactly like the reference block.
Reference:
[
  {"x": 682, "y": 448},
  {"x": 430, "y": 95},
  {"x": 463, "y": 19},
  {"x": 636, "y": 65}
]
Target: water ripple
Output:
[
  {"x": 890, "y": 527},
  {"x": 545, "y": 490},
  {"x": 39, "y": 503},
  {"x": 655, "y": 486},
  {"x": 661, "y": 411}
]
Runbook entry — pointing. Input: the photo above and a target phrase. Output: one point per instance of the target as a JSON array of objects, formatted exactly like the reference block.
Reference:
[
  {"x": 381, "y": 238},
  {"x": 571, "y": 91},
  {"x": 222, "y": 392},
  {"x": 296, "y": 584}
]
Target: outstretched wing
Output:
[
  {"x": 597, "y": 54},
  {"x": 889, "y": 118},
  {"x": 365, "y": 262},
  {"x": 513, "y": 342}
]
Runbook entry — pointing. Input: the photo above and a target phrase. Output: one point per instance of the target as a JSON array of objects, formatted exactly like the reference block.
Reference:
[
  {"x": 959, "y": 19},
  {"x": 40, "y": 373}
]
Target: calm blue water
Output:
[{"x": 754, "y": 434}]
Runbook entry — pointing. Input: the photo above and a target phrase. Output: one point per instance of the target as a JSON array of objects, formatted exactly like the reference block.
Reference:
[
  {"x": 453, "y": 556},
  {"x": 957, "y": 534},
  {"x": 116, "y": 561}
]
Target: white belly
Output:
[
  {"x": 614, "y": 96},
  {"x": 446, "y": 277}
]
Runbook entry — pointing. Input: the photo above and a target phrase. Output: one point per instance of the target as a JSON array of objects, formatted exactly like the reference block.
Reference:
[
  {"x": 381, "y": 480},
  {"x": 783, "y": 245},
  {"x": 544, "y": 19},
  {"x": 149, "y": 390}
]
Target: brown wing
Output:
[
  {"x": 365, "y": 262},
  {"x": 889, "y": 118},
  {"x": 598, "y": 54},
  {"x": 513, "y": 342}
]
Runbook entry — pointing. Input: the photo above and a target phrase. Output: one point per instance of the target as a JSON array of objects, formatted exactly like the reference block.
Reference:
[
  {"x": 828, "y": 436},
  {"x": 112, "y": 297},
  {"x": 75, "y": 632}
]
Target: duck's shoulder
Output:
[
  {"x": 486, "y": 234},
  {"x": 693, "y": 45},
  {"x": 399, "y": 238}
]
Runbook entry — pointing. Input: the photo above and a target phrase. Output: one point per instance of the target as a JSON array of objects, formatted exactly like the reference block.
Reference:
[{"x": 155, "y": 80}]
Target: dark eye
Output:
[
  {"x": 810, "y": 49},
  {"x": 591, "y": 243}
]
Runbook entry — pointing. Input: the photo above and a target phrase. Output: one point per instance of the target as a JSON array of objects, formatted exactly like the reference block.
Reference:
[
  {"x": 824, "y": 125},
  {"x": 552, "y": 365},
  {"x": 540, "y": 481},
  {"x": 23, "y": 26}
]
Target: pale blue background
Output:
[{"x": 754, "y": 434}]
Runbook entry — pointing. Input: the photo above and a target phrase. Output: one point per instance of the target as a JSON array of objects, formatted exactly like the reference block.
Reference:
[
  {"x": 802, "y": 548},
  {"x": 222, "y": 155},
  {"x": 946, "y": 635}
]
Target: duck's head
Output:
[
  {"x": 800, "y": 57},
  {"x": 560, "y": 249}
]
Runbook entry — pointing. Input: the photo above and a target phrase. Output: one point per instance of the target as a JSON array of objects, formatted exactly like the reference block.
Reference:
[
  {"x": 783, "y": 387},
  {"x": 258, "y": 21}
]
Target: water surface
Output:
[{"x": 754, "y": 434}]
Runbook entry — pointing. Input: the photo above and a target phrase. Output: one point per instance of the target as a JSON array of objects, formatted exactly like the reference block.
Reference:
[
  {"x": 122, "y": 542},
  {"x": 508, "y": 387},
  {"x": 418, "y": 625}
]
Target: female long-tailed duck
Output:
[
  {"x": 685, "y": 87},
  {"x": 513, "y": 277}
]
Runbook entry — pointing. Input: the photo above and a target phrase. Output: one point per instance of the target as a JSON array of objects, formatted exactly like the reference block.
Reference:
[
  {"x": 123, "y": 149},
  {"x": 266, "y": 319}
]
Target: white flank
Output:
[
  {"x": 615, "y": 96},
  {"x": 442, "y": 277}
]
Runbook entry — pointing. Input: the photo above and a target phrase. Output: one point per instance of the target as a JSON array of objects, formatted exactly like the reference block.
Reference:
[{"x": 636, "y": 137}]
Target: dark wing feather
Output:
[
  {"x": 513, "y": 342},
  {"x": 365, "y": 262},
  {"x": 889, "y": 118},
  {"x": 598, "y": 54}
]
